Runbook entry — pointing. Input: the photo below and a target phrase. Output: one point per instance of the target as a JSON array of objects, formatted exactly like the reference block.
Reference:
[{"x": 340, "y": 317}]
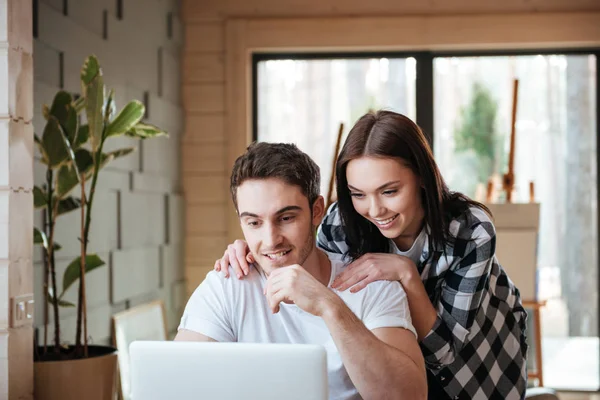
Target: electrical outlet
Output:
[{"x": 22, "y": 310}]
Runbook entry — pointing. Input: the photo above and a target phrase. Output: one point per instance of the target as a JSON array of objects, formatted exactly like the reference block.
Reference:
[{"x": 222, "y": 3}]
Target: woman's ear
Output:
[{"x": 318, "y": 211}]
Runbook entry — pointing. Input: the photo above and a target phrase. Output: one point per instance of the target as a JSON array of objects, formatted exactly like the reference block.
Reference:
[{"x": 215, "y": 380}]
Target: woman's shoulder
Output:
[
  {"x": 332, "y": 217},
  {"x": 472, "y": 223},
  {"x": 330, "y": 235}
]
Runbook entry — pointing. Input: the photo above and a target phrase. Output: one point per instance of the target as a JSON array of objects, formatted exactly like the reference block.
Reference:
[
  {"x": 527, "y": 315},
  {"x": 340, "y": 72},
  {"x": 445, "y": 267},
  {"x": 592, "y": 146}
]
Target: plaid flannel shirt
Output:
[{"x": 476, "y": 348}]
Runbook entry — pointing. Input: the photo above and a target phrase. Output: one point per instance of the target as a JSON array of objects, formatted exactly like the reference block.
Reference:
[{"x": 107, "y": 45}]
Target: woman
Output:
[{"x": 396, "y": 219}]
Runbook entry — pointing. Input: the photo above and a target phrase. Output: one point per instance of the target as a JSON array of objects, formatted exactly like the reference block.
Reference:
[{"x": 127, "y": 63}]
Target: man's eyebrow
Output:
[
  {"x": 283, "y": 210},
  {"x": 289, "y": 208},
  {"x": 379, "y": 188},
  {"x": 247, "y": 214}
]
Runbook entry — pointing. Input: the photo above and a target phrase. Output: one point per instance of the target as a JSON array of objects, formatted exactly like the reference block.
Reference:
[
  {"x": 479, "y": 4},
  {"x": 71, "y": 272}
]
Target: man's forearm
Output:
[{"x": 378, "y": 370}]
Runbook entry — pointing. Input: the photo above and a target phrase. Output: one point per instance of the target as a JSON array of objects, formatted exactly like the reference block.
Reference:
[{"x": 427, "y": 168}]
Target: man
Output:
[{"x": 372, "y": 350}]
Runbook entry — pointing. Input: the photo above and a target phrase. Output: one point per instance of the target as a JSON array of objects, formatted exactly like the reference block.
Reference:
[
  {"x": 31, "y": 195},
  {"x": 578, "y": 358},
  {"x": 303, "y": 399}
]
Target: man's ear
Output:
[{"x": 318, "y": 211}]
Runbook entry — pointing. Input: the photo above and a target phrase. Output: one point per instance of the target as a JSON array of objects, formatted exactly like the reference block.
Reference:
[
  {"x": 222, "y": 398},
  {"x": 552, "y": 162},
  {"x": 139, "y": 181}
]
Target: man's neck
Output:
[{"x": 319, "y": 266}]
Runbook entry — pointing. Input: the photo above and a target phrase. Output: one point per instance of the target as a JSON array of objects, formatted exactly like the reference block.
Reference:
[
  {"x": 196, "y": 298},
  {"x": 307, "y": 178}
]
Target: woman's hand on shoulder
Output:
[
  {"x": 238, "y": 256},
  {"x": 375, "y": 267}
]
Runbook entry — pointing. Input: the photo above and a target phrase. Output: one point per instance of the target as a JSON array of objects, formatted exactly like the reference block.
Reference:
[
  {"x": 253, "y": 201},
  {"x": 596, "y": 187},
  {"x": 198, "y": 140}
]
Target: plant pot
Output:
[{"x": 92, "y": 378}]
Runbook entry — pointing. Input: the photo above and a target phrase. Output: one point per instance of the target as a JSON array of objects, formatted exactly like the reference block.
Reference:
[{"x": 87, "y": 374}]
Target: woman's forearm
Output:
[{"x": 422, "y": 312}]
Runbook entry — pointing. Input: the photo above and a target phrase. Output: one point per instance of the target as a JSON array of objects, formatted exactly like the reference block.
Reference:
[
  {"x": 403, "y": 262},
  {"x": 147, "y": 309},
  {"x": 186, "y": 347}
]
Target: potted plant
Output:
[{"x": 73, "y": 154}]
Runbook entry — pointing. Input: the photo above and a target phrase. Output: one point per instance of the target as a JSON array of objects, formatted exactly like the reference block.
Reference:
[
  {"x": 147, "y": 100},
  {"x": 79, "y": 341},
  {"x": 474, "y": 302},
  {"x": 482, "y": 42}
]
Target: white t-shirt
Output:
[
  {"x": 233, "y": 310},
  {"x": 415, "y": 251}
]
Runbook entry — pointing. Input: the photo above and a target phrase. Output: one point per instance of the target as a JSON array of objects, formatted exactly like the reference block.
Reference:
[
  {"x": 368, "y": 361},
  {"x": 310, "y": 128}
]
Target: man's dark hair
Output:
[{"x": 284, "y": 161}]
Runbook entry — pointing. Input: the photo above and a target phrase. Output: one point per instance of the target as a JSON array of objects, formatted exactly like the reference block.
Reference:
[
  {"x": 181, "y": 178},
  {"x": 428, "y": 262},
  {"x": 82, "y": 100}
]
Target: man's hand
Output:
[{"x": 293, "y": 284}]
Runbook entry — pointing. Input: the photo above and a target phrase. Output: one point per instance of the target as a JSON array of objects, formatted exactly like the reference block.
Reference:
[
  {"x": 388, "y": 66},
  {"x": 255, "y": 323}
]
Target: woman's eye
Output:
[
  {"x": 357, "y": 195},
  {"x": 390, "y": 192},
  {"x": 252, "y": 223}
]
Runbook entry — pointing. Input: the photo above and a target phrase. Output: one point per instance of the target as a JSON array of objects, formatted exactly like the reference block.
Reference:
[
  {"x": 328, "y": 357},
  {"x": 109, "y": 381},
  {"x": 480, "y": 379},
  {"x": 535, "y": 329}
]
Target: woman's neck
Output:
[{"x": 406, "y": 240}]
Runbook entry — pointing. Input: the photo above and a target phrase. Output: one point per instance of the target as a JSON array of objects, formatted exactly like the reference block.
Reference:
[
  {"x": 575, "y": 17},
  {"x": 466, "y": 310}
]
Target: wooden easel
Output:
[
  {"x": 508, "y": 185},
  {"x": 508, "y": 181},
  {"x": 535, "y": 306}
]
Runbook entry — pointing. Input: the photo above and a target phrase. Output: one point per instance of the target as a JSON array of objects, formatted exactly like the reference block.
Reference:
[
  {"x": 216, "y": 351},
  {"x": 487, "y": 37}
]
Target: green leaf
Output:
[
  {"x": 93, "y": 110},
  {"x": 61, "y": 303},
  {"x": 144, "y": 131},
  {"x": 39, "y": 237},
  {"x": 66, "y": 180},
  {"x": 129, "y": 116},
  {"x": 83, "y": 134},
  {"x": 46, "y": 111},
  {"x": 40, "y": 146},
  {"x": 73, "y": 271},
  {"x": 62, "y": 109},
  {"x": 92, "y": 84},
  {"x": 55, "y": 143},
  {"x": 85, "y": 161},
  {"x": 68, "y": 177},
  {"x": 110, "y": 108},
  {"x": 79, "y": 104},
  {"x": 64, "y": 303},
  {"x": 108, "y": 157},
  {"x": 39, "y": 197},
  {"x": 67, "y": 205},
  {"x": 90, "y": 69}
]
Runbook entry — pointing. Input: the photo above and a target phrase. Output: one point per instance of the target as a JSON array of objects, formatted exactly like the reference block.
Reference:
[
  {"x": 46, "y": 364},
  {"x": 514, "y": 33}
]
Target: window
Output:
[
  {"x": 304, "y": 101},
  {"x": 556, "y": 149}
]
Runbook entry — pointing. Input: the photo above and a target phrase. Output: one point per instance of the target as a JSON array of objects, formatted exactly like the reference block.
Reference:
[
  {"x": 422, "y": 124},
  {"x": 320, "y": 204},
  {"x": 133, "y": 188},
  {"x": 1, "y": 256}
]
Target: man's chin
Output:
[
  {"x": 269, "y": 265},
  {"x": 275, "y": 264}
]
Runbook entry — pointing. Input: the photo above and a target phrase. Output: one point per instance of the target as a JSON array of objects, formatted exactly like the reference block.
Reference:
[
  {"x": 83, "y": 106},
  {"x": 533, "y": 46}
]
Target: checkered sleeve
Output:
[
  {"x": 462, "y": 290},
  {"x": 330, "y": 235}
]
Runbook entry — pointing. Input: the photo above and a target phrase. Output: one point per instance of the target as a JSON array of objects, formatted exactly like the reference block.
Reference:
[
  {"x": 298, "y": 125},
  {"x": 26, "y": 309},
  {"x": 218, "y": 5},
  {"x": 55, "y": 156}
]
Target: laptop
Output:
[{"x": 227, "y": 371}]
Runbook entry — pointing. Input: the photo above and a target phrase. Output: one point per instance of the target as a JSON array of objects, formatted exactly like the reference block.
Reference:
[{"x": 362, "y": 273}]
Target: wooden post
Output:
[
  {"x": 335, "y": 155},
  {"x": 490, "y": 191},
  {"x": 535, "y": 306},
  {"x": 509, "y": 178},
  {"x": 531, "y": 192}
]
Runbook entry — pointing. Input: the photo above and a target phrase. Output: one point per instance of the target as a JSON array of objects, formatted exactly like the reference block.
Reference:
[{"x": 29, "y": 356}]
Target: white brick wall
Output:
[{"x": 137, "y": 200}]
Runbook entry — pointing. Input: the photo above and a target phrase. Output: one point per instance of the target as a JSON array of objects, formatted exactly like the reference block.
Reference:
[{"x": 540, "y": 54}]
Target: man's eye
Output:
[
  {"x": 390, "y": 192},
  {"x": 287, "y": 218},
  {"x": 252, "y": 223}
]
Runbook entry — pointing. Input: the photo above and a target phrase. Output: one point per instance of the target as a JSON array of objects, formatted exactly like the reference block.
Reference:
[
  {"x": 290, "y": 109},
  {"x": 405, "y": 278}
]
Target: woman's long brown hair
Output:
[{"x": 389, "y": 134}]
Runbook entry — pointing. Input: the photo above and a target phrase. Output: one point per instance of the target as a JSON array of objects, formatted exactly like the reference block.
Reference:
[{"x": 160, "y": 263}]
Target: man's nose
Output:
[{"x": 272, "y": 236}]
